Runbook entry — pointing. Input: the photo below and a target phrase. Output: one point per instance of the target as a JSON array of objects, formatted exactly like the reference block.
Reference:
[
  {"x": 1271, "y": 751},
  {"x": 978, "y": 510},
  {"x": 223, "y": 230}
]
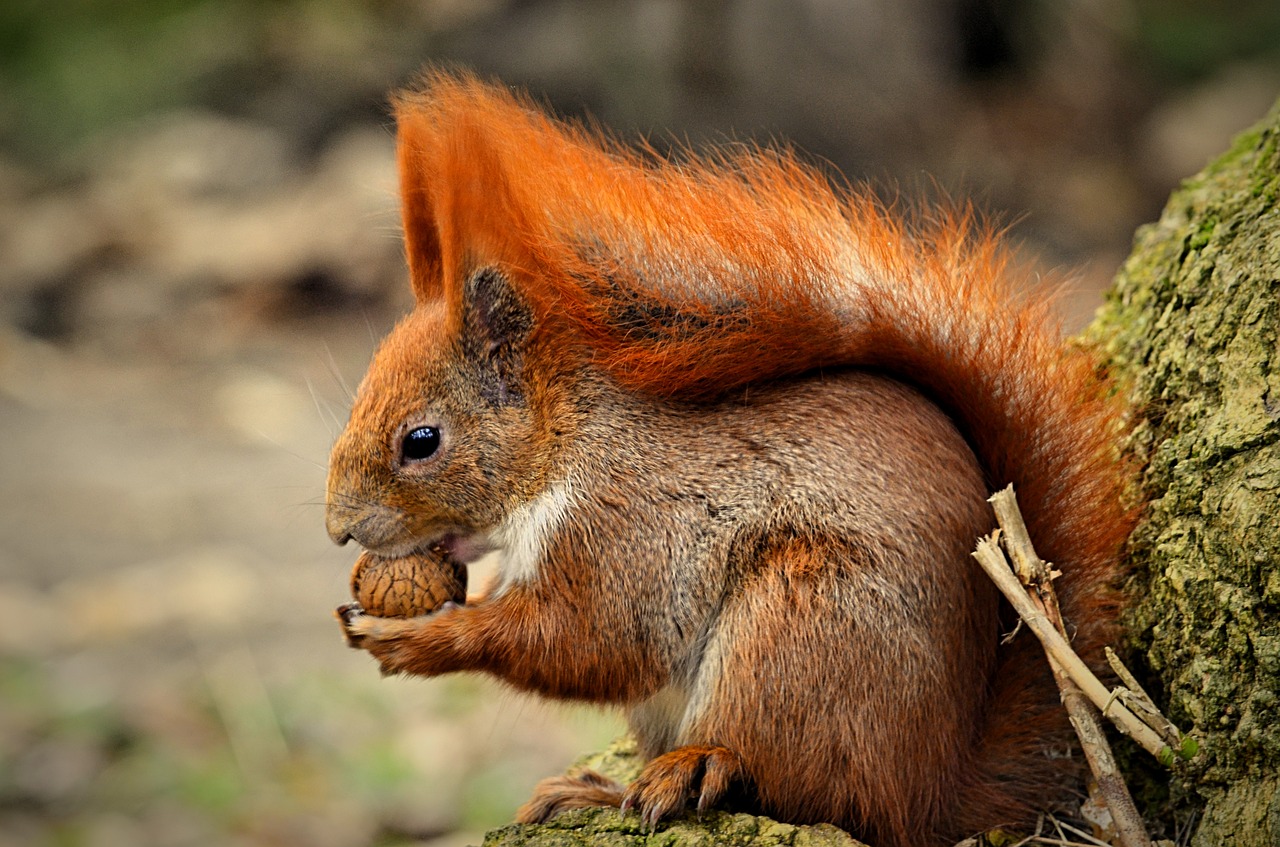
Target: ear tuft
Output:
[
  {"x": 419, "y": 212},
  {"x": 465, "y": 151}
]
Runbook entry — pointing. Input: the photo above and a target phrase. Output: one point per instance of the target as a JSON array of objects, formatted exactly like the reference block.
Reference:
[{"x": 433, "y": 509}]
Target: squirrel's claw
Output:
[
  {"x": 381, "y": 637},
  {"x": 346, "y": 615}
]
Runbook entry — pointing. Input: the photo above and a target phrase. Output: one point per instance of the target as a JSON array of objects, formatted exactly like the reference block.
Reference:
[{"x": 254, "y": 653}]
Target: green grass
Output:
[{"x": 313, "y": 761}]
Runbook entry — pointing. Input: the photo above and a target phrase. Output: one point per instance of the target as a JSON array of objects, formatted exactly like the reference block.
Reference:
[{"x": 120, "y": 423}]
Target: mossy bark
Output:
[
  {"x": 591, "y": 827},
  {"x": 1192, "y": 325},
  {"x": 594, "y": 827}
]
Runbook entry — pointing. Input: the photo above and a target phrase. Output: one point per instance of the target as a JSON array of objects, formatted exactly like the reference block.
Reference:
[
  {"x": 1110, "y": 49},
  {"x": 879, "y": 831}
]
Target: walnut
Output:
[{"x": 406, "y": 586}]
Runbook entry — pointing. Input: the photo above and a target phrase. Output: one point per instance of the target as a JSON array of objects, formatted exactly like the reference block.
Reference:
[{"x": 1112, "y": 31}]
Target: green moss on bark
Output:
[
  {"x": 1193, "y": 324},
  {"x": 592, "y": 827}
]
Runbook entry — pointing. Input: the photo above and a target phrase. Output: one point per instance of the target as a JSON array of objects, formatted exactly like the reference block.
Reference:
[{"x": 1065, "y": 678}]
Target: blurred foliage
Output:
[
  {"x": 71, "y": 68},
  {"x": 1187, "y": 39}
]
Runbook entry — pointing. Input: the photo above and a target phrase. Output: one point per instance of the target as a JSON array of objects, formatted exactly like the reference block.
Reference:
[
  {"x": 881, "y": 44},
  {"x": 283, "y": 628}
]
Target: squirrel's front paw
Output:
[
  {"x": 389, "y": 640},
  {"x": 347, "y": 614}
]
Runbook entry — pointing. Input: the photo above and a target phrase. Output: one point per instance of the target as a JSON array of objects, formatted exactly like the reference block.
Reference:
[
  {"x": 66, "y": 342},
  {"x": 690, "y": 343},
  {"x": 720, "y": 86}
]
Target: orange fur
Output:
[
  {"x": 762, "y": 242},
  {"x": 691, "y": 284}
]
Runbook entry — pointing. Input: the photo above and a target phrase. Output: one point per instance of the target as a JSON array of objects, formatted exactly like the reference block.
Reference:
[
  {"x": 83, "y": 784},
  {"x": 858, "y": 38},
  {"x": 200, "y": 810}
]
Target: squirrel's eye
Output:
[{"x": 420, "y": 443}]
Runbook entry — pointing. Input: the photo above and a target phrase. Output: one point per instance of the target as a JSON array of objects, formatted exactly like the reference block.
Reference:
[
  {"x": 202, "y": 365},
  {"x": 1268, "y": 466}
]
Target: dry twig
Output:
[{"x": 1038, "y": 606}]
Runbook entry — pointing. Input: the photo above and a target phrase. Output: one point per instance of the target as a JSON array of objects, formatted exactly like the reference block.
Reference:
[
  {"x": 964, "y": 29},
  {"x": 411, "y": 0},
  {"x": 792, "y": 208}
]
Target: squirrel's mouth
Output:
[{"x": 462, "y": 549}]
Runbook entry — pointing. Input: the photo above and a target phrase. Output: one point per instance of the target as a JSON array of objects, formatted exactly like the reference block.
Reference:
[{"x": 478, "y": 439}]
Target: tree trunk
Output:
[{"x": 1192, "y": 323}]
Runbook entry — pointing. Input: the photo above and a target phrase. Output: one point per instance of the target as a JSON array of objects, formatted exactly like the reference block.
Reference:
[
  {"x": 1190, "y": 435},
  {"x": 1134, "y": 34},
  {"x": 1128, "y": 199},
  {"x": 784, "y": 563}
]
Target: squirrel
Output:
[{"x": 731, "y": 427}]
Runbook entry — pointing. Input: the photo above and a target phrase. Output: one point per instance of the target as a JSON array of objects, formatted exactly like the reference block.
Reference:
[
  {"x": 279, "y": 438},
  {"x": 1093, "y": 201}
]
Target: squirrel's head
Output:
[
  {"x": 539, "y": 253},
  {"x": 444, "y": 438},
  {"x": 448, "y": 435}
]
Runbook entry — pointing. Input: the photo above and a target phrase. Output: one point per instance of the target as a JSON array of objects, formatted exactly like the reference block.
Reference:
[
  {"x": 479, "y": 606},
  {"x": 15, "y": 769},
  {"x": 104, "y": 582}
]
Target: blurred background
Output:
[{"x": 199, "y": 249}]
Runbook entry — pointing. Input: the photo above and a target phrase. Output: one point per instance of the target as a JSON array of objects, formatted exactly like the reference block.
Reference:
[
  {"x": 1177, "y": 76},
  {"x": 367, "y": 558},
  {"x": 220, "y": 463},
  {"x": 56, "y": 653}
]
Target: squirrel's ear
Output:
[
  {"x": 496, "y": 320},
  {"x": 496, "y": 323}
]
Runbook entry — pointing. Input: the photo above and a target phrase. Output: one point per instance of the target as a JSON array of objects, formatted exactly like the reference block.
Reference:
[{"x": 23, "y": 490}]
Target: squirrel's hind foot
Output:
[
  {"x": 669, "y": 782},
  {"x": 578, "y": 790}
]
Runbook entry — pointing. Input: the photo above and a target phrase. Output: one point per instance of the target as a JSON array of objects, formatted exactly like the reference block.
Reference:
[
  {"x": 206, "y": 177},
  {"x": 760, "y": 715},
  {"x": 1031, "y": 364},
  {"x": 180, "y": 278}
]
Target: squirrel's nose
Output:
[{"x": 337, "y": 525}]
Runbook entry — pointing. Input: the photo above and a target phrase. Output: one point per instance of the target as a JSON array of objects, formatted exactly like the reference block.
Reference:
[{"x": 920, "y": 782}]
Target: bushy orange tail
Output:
[{"x": 696, "y": 275}]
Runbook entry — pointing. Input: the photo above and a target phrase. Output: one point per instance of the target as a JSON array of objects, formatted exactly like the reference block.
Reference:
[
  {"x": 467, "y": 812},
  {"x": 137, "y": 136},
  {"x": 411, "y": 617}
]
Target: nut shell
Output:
[{"x": 406, "y": 586}]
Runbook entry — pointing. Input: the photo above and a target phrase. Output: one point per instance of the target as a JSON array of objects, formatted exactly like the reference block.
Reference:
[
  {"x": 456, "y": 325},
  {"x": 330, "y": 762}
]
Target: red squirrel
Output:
[{"x": 731, "y": 430}]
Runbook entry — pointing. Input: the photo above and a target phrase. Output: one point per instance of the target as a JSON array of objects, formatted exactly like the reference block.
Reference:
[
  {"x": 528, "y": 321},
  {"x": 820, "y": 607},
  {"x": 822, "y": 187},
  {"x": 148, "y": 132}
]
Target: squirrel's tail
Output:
[
  {"x": 687, "y": 275},
  {"x": 1039, "y": 415}
]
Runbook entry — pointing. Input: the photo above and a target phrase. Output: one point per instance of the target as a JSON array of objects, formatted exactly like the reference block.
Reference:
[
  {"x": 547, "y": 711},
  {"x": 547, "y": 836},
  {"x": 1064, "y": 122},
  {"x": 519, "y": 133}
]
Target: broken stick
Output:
[{"x": 1044, "y": 618}]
